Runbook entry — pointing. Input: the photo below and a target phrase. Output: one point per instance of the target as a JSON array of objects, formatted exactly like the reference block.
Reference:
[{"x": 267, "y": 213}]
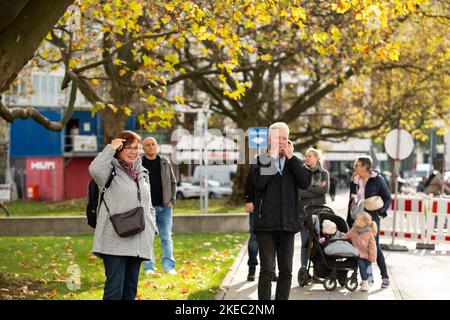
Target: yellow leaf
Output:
[
  {"x": 321, "y": 37},
  {"x": 151, "y": 99},
  {"x": 393, "y": 52},
  {"x": 165, "y": 19},
  {"x": 298, "y": 13},
  {"x": 179, "y": 100},
  {"x": 266, "y": 57},
  {"x": 335, "y": 33},
  {"x": 94, "y": 82},
  {"x": 127, "y": 110},
  {"x": 170, "y": 7},
  {"x": 122, "y": 72}
]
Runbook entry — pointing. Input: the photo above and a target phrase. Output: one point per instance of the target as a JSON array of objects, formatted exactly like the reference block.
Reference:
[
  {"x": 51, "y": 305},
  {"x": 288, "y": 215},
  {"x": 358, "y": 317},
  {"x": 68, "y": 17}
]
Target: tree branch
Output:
[{"x": 10, "y": 114}]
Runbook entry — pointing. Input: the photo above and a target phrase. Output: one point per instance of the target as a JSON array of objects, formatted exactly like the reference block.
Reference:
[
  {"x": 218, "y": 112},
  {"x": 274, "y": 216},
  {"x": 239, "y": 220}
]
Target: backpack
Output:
[{"x": 93, "y": 195}]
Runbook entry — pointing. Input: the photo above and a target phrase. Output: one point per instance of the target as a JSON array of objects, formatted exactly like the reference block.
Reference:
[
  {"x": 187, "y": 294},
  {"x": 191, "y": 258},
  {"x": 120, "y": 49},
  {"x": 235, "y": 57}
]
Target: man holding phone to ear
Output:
[{"x": 276, "y": 177}]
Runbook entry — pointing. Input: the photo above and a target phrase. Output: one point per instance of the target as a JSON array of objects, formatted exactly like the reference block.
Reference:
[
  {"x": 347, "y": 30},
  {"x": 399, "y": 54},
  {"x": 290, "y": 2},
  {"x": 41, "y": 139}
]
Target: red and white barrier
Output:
[{"x": 416, "y": 217}]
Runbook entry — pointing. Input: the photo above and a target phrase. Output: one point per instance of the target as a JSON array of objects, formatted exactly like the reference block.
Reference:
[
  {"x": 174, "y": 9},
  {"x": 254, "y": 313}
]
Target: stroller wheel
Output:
[
  {"x": 330, "y": 284},
  {"x": 351, "y": 284},
  {"x": 303, "y": 277}
]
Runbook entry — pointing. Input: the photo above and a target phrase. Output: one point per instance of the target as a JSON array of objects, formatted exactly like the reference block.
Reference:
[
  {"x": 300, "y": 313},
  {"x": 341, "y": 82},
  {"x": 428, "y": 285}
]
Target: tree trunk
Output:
[
  {"x": 23, "y": 34},
  {"x": 237, "y": 196},
  {"x": 113, "y": 124}
]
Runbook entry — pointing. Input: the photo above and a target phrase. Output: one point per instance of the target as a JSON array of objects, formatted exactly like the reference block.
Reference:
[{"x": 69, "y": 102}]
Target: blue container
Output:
[{"x": 30, "y": 139}]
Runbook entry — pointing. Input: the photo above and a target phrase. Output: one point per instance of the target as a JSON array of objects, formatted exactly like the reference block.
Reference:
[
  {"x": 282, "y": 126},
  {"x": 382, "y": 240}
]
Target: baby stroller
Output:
[{"x": 331, "y": 269}]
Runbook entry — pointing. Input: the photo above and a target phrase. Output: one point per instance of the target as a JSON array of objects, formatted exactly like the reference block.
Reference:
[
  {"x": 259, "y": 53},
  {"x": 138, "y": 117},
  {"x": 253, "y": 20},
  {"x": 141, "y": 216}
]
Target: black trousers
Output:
[{"x": 279, "y": 244}]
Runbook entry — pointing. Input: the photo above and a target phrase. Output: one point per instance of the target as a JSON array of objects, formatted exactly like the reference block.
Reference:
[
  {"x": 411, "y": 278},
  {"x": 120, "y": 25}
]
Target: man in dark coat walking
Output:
[{"x": 276, "y": 178}]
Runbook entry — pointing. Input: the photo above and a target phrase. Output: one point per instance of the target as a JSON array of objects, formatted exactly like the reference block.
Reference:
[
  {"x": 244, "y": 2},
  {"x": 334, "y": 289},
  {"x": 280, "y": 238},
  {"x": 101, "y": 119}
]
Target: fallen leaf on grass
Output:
[
  {"x": 52, "y": 293},
  {"x": 6, "y": 297},
  {"x": 184, "y": 290}
]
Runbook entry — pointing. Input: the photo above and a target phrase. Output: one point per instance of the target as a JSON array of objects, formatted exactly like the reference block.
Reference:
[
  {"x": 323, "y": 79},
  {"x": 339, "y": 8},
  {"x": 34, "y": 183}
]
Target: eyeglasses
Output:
[{"x": 132, "y": 148}]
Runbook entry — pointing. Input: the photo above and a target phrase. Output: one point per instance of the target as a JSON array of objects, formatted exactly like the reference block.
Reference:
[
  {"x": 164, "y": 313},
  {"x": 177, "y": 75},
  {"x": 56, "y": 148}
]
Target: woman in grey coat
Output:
[
  {"x": 315, "y": 194},
  {"x": 122, "y": 256}
]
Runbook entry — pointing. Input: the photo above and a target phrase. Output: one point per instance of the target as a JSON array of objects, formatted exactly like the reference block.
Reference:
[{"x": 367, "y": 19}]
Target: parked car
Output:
[
  {"x": 215, "y": 189},
  {"x": 186, "y": 190}
]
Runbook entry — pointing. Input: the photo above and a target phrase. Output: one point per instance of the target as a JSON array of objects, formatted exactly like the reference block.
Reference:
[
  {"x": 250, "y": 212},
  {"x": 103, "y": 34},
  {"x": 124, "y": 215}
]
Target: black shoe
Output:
[
  {"x": 251, "y": 275},
  {"x": 274, "y": 277}
]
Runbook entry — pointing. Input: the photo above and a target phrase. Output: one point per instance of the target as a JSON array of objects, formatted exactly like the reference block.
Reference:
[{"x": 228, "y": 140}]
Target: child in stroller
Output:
[{"x": 331, "y": 269}]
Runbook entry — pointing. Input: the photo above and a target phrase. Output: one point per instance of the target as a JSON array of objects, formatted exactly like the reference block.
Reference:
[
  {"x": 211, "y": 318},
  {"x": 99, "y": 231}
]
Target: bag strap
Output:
[
  {"x": 108, "y": 183},
  {"x": 139, "y": 192}
]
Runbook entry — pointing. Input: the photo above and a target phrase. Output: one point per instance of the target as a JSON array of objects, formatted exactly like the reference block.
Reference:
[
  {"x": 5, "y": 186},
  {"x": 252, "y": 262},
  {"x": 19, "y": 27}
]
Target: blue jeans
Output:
[
  {"x": 122, "y": 276},
  {"x": 164, "y": 224},
  {"x": 380, "y": 257},
  {"x": 304, "y": 235},
  {"x": 365, "y": 268},
  {"x": 252, "y": 246}
]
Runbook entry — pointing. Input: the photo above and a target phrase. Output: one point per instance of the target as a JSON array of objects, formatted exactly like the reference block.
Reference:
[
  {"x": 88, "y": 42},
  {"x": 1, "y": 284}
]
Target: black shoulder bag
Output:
[{"x": 130, "y": 222}]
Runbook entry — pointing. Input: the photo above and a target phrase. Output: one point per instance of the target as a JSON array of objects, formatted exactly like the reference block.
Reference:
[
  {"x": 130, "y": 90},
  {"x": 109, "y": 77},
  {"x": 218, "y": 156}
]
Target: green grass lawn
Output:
[
  {"x": 78, "y": 207},
  {"x": 37, "y": 267}
]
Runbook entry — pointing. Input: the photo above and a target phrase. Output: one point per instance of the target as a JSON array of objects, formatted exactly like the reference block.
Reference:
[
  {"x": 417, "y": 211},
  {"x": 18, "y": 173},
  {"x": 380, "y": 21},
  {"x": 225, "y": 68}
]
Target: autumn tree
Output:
[
  {"x": 332, "y": 63},
  {"x": 124, "y": 57},
  {"x": 23, "y": 26}
]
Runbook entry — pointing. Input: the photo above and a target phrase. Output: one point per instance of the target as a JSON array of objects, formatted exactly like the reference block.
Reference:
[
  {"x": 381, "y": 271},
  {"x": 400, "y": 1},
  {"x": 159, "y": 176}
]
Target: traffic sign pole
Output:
[{"x": 398, "y": 149}]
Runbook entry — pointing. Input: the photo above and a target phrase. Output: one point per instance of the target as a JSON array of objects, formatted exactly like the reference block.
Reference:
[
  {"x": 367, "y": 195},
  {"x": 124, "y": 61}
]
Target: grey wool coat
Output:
[{"x": 121, "y": 196}]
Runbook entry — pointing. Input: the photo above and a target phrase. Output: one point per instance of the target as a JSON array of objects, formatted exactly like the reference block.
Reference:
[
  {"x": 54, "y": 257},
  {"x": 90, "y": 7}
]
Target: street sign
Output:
[
  {"x": 258, "y": 138},
  {"x": 399, "y": 144}
]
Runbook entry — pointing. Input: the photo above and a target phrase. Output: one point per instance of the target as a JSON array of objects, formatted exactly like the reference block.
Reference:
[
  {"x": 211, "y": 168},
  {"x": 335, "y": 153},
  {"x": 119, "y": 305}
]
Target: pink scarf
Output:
[{"x": 129, "y": 169}]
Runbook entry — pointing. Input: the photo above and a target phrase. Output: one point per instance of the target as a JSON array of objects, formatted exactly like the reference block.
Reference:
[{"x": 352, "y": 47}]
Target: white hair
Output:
[{"x": 279, "y": 125}]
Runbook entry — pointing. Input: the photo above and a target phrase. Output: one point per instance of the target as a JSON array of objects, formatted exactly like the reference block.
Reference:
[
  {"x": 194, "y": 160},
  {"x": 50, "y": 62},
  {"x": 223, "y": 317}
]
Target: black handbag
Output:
[{"x": 130, "y": 222}]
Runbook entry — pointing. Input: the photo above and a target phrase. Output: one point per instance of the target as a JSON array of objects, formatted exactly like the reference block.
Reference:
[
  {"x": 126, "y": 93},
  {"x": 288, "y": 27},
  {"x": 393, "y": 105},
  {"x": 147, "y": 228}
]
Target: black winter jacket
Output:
[
  {"x": 276, "y": 196},
  {"x": 375, "y": 186}
]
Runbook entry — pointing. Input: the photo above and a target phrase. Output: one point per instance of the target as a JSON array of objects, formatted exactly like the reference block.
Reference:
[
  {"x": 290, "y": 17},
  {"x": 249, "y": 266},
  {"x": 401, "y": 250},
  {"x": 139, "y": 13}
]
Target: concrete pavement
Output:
[{"x": 415, "y": 274}]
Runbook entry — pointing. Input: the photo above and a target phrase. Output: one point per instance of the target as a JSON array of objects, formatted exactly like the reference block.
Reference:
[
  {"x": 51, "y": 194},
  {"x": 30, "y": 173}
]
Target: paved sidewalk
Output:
[{"x": 415, "y": 274}]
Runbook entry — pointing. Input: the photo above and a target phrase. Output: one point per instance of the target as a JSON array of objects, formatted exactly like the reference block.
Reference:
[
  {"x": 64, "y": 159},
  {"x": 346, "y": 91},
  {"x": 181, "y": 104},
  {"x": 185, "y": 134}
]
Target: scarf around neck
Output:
[
  {"x": 129, "y": 169},
  {"x": 361, "y": 230}
]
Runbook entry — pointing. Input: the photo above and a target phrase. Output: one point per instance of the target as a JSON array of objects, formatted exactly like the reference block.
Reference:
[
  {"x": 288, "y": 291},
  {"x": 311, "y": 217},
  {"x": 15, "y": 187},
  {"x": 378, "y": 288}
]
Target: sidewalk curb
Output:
[
  {"x": 394, "y": 285},
  {"x": 226, "y": 283}
]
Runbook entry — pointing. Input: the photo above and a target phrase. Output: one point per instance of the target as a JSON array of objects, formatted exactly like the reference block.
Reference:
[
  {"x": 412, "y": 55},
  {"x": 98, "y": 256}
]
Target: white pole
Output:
[
  {"x": 206, "y": 160},
  {"x": 444, "y": 166},
  {"x": 395, "y": 175}
]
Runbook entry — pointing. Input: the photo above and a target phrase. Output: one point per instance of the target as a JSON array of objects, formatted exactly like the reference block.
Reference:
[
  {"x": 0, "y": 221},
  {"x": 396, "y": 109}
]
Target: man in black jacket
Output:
[
  {"x": 252, "y": 246},
  {"x": 276, "y": 178}
]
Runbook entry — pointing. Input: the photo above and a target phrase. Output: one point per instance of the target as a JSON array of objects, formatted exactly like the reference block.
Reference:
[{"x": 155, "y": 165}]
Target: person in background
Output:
[
  {"x": 163, "y": 190},
  {"x": 435, "y": 184},
  {"x": 122, "y": 257},
  {"x": 365, "y": 184},
  {"x": 314, "y": 194},
  {"x": 333, "y": 186}
]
